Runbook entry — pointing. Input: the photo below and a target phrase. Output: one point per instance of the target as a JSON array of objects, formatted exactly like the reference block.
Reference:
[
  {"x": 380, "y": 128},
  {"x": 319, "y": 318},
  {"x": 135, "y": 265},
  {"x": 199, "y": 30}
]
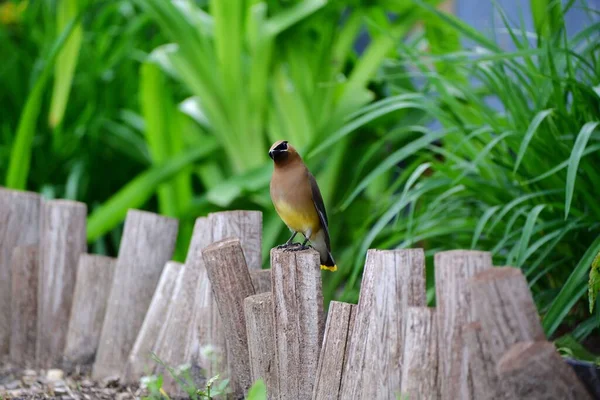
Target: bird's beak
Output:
[{"x": 272, "y": 154}]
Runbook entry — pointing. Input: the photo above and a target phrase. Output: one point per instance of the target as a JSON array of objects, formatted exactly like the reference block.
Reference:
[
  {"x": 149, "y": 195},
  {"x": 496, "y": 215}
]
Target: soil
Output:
[{"x": 16, "y": 383}]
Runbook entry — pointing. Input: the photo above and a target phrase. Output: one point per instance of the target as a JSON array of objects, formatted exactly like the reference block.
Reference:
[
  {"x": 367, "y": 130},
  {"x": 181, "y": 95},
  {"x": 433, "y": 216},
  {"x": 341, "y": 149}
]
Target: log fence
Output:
[{"x": 67, "y": 308}]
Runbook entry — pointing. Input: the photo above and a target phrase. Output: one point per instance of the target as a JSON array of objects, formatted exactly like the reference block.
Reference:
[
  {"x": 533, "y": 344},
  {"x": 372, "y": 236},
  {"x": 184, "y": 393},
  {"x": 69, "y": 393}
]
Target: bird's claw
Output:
[{"x": 297, "y": 247}]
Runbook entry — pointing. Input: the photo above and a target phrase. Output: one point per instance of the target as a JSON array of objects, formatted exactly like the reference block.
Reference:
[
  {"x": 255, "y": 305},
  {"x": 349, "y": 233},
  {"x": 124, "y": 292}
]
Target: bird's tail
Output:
[{"x": 329, "y": 264}]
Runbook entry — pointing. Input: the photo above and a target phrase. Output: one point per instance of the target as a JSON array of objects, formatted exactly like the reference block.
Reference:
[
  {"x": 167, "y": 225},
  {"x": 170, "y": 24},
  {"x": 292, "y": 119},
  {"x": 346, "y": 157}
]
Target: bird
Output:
[{"x": 299, "y": 203}]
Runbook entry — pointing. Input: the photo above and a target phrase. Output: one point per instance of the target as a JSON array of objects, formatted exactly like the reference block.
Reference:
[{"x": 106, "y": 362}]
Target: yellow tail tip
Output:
[{"x": 332, "y": 269}]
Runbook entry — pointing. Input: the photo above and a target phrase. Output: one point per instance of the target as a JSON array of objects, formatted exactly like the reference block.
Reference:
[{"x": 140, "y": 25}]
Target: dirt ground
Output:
[{"x": 56, "y": 384}]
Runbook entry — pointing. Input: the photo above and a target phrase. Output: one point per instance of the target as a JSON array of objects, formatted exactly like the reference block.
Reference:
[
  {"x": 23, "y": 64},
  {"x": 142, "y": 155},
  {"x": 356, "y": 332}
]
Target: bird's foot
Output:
[
  {"x": 288, "y": 245},
  {"x": 297, "y": 247}
]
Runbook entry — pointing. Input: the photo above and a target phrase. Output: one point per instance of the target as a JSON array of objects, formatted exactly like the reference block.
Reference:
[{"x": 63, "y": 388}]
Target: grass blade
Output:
[
  {"x": 66, "y": 60},
  {"x": 535, "y": 123},
  {"x": 527, "y": 231},
  {"x": 571, "y": 292},
  {"x": 576, "y": 154}
]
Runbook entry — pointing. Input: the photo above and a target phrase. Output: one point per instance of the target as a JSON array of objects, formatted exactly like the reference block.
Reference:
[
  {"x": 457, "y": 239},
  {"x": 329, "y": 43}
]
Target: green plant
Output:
[{"x": 519, "y": 180}]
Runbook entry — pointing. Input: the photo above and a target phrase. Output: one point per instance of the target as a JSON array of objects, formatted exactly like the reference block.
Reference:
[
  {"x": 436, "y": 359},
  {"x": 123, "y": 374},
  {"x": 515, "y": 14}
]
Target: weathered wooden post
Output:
[
  {"x": 392, "y": 282},
  {"x": 24, "y": 305},
  {"x": 482, "y": 366},
  {"x": 420, "y": 359},
  {"x": 504, "y": 305},
  {"x": 453, "y": 269},
  {"x": 231, "y": 284},
  {"x": 332, "y": 360},
  {"x": 94, "y": 277},
  {"x": 139, "y": 360},
  {"x": 19, "y": 218},
  {"x": 178, "y": 324},
  {"x": 535, "y": 371},
  {"x": 258, "y": 310},
  {"x": 298, "y": 320},
  {"x": 147, "y": 244},
  {"x": 62, "y": 241},
  {"x": 206, "y": 344}
]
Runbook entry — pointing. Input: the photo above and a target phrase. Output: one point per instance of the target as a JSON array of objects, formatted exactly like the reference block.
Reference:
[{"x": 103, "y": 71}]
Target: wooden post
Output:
[
  {"x": 261, "y": 280},
  {"x": 504, "y": 305},
  {"x": 24, "y": 305},
  {"x": 62, "y": 241},
  {"x": 244, "y": 225},
  {"x": 207, "y": 342},
  {"x": 140, "y": 361},
  {"x": 178, "y": 323},
  {"x": 298, "y": 320},
  {"x": 454, "y": 310},
  {"x": 19, "y": 222},
  {"x": 483, "y": 383},
  {"x": 147, "y": 244},
  {"x": 258, "y": 311},
  {"x": 420, "y": 359},
  {"x": 94, "y": 277},
  {"x": 332, "y": 359},
  {"x": 392, "y": 282},
  {"x": 231, "y": 284},
  {"x": 535, "y": 371}
]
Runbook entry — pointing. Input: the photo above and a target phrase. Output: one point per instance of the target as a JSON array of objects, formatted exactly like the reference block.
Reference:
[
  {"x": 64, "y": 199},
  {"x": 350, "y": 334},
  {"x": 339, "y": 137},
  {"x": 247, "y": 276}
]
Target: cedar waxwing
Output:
[{"x": 298, "y": 201}]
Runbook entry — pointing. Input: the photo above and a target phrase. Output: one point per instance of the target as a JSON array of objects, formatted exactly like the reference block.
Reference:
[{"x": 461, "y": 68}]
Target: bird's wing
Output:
[{"x": 320, "y": 206}]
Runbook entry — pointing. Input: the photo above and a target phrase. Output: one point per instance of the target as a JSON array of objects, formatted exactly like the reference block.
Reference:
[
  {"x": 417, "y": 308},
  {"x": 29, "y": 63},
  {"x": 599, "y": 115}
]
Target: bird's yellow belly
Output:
[{"x": 298, "y": 220}]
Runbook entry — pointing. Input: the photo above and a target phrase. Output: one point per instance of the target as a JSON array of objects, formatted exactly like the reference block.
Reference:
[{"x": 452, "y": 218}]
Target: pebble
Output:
[
  {"x": 12, "y": 385},
  {"x": 55, "y": 374}
]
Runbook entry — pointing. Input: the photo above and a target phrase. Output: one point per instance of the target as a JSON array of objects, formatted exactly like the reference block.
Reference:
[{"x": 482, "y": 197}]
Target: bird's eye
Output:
[{"x": 282, "y": 146}]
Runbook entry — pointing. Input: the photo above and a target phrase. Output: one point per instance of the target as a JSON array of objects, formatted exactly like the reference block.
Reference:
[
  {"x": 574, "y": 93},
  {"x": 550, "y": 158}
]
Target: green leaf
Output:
[
  {"x": 533, "y": 126},
  {"x": 527, "y": 231},
  {"x": 66, "y": 60},
  {"x": 571, "y": 291},
  {"x": 139, "y": 190},
  {"x": 258, "y": 391},
  {"x": 594, "y": 283},
  {"x": 20, "y": 155},
  {"x": 576, "y": 154}
]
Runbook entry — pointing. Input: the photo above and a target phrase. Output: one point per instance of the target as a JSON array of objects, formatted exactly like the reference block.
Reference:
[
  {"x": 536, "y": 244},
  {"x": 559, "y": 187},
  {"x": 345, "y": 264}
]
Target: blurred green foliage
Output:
[{"x": 172, "y": 106}]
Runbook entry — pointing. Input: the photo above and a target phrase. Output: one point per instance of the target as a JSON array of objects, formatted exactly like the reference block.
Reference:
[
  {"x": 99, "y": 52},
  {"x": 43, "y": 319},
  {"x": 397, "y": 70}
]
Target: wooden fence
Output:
[{"x": 66, "y": 308}]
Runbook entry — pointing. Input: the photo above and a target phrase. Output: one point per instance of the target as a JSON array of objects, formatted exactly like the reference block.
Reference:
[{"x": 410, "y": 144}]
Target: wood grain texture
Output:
[
  {"x": 207, "y": 345},
  {"x": 140, "y": 361},
  {"x": 147, "y": 244},
  {"x": 94, "y": 277},
  {"x": 340, "y": 321},
  {"x": 19, "y": 226},
  {"x": 505, "y": 307},
  {"x": 244, "y": 225},
  {"x": 24, "y": 306},
  {"x": 178, "y": 327},
  {"x": 420, "y": 359},
  {"x": 454, "y": 310},
  {"x": 62, "y": 241},
  {"x": 231, "y": 284},
  {"x": 298, "y": 320},
  {"x": 392, "y": 282},
  {"x": 258, "y": 311},
  {"x": 261, "y": 279},
  {"x": 482, "y": 382},
  {"x": 535, "y": 371}
]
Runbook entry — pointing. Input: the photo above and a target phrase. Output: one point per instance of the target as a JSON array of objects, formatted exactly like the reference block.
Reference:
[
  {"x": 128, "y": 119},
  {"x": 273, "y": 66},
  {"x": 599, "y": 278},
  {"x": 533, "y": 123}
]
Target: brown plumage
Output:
[{"x": 298, "y": 201}]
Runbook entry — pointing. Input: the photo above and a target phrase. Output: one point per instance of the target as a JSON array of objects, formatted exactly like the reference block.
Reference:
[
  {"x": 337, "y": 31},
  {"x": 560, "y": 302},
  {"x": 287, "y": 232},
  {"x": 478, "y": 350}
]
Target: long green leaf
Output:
[
  {"x": 576, "y": 154},
  {"x": 527, "y": 231},
  {"x": 571, "y": 292},
  {"x": 20, "y": 155},
  {"x": 66, "y": 60},
  {"x": 139, "y": 190},
  {"x": 535, "y": 123}
]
